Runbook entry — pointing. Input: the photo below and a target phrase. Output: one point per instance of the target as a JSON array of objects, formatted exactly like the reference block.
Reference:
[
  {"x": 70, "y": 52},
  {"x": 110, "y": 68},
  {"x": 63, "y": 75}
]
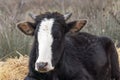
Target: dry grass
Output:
[
  {"x": 103, "y": 19},
  {"x": 14, "y": 68},
  {"x": 119, "y": 53},
  {"x": 17, "y": 68}
]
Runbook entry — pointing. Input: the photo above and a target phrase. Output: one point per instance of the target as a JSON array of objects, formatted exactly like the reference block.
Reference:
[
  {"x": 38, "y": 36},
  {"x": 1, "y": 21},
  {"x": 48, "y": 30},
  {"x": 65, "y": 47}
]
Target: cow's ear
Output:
[
  {"x": 76, "y": 26},
  {"x": 27, "y": 28}
]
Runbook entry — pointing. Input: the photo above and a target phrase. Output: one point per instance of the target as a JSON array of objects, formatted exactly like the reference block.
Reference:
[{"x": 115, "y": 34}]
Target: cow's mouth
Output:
[{"x": 44, "y": 70}]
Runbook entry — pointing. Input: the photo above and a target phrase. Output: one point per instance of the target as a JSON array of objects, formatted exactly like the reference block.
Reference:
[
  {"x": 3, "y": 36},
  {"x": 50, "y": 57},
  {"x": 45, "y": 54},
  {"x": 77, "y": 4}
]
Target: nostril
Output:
[{"x": 42, "y": 65}]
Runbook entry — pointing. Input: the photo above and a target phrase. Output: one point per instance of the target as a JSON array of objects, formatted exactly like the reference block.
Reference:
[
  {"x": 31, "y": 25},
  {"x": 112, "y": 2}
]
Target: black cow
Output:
[{"x": 61, "y": 52}]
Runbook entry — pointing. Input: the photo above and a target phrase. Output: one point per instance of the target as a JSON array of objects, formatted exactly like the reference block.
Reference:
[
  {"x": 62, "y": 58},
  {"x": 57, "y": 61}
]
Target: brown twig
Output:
[{"x": 114, "y": 16}]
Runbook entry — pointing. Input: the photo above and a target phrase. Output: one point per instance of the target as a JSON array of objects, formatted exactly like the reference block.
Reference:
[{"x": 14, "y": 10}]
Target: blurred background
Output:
[{"x": 103, "y": 19}]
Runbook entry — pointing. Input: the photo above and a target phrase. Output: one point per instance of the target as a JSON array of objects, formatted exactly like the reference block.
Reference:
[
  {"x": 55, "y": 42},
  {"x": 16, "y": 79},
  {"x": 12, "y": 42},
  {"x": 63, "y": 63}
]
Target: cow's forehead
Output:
[{"x": 48, "y": 15}]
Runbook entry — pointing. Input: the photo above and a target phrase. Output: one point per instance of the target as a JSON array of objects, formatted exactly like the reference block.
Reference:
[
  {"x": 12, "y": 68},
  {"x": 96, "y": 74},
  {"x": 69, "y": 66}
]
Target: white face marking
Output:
[{"x": 45, "y": 41}]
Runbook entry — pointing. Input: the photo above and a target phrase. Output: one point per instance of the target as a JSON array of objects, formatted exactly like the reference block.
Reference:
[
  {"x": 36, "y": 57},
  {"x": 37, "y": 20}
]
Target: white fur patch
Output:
[{"x": 45, "y": 41}]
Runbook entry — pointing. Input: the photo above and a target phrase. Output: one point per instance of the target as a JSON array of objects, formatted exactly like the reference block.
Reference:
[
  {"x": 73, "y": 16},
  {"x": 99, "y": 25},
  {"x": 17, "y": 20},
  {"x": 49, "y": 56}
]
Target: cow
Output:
[{"x": 61, "y": 52}]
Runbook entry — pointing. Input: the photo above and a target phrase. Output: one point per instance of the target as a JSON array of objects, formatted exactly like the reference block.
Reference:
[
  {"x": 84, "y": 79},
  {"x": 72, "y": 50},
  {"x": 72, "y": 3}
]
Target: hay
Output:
[
  {"x": 118, "y": 50},
  {"x": 17, "y": 68},
  {"x": 14, "y": 68}
]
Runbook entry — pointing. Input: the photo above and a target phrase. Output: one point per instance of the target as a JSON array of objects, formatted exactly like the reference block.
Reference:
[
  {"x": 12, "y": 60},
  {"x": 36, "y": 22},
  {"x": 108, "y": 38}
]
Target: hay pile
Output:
[
  {"x": 17, "y": 68},
  {"x": 118, "y": 50},
  {"x": 14, "y": 69}
]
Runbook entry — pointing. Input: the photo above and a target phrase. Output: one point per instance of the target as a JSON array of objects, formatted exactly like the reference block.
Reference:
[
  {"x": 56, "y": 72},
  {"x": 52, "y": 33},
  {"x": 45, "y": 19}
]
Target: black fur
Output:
[{"x": 76, "y": 56}]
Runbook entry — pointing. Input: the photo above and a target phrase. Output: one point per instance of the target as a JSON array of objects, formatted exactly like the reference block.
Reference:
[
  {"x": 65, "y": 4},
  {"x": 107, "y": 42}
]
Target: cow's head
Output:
[{"x": 49, "y": 30}]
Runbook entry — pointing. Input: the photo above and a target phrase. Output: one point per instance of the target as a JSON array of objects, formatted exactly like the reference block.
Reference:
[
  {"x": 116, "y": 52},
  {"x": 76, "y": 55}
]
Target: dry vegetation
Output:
[
  {"x": 119, "y": 54},
  {"x": 14, "y": 68},
  {"x": 103, "y": 19}
]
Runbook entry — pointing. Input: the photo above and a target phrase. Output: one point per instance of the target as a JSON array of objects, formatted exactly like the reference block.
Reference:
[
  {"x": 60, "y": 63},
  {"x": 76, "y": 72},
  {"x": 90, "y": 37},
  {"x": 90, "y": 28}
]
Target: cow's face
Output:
[{"x": 49, "y": 30}]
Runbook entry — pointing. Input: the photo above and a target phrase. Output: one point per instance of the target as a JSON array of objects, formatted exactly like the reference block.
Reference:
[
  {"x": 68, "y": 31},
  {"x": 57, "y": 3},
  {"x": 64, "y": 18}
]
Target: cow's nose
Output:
[{"x": 42, "y": 65}]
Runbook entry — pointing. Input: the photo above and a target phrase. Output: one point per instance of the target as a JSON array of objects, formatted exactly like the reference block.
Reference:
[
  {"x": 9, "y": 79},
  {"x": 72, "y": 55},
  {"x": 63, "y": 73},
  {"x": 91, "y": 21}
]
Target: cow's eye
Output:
[{"x": 57, "y": 36}]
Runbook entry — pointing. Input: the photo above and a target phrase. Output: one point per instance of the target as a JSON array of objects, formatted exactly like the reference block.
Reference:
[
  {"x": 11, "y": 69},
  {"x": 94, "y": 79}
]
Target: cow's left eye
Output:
[{"x": 57, "y": 36}]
